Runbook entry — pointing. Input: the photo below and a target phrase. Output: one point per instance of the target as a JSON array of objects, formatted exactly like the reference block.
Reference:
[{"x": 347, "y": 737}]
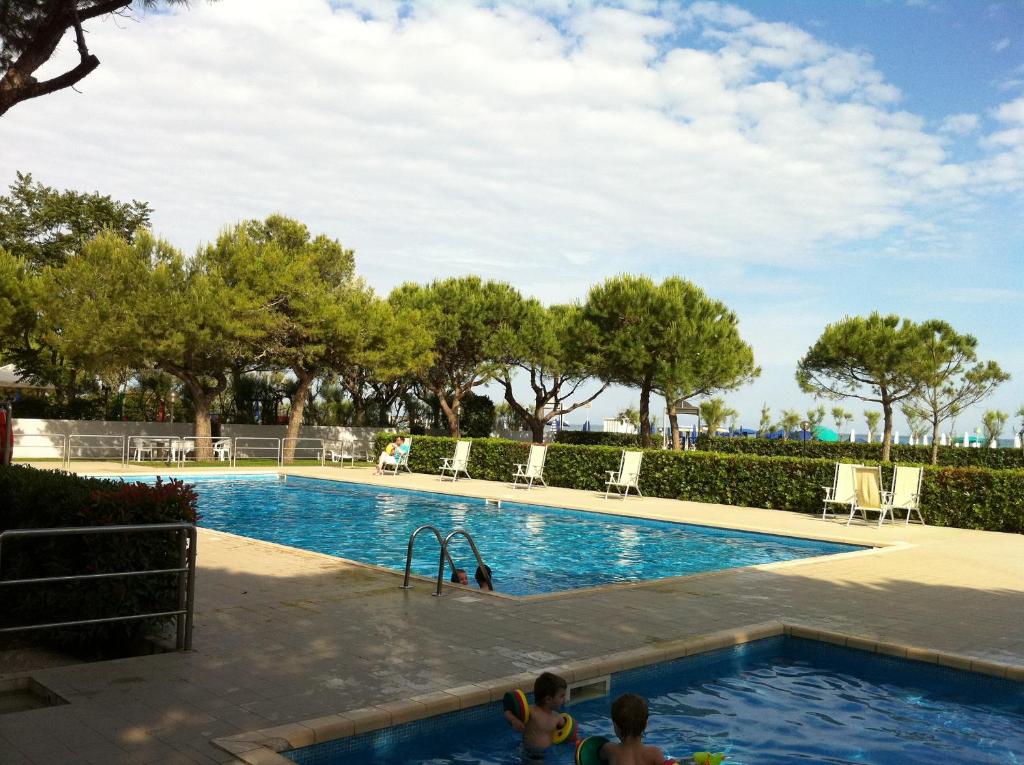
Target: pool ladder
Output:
[{"x": 445, "y": 555}]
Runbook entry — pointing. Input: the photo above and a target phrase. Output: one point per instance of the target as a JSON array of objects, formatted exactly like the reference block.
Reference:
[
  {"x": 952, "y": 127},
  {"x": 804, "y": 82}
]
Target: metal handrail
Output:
[
  {"x": 52, "y": 441},
  {"x": 186, "y": 571},
  {"x": 408, "y": 554},
  {"x": 276, "y": 447},
  {"x": 444, "y": 553},
  {"x": 320, "y": 451},
  {"x": 109, "y": 436}
]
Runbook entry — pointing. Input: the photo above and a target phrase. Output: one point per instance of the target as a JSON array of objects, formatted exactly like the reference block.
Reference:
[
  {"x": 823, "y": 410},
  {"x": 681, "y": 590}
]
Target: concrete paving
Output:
[{"x": 284, "y": 635}]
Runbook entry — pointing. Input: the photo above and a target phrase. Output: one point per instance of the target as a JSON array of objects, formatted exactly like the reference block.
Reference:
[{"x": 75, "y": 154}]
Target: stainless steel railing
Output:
[
  {"x": 445, "y": 554},
  {"x": 408, "y": 554},
  {"x": 186, "y": 571}
]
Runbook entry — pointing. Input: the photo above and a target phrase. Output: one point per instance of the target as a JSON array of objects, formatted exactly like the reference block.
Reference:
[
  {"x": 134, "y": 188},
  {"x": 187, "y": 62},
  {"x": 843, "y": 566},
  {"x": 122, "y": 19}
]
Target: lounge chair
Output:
[
  {"x": 459, "y": 462},
  {"x": 906, "y": 492},
  {"x": 401, "y": 459},
  {"x": 533, "y": 470},
  {"x": 343, "y": 450},
  {"x": 627, "y": 476},
  {"x": 841, "y": 492},
  {"x": 869, "y": 495}
]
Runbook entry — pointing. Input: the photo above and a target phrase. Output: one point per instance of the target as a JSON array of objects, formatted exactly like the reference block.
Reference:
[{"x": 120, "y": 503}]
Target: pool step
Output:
[{"x": 489, "y": 501}]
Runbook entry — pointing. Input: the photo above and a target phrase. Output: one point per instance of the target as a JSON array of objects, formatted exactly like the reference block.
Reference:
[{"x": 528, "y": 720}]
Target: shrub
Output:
[
  {"x": 998, "y": 459},
  {"x": 47, "y": 499},
  {"x": 591, "y": 438},
  {"x": 970, "y": 498}
]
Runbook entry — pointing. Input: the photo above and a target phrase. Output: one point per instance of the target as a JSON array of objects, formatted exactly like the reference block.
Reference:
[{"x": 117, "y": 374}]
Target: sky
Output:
[{"x": 801, "y": 161}]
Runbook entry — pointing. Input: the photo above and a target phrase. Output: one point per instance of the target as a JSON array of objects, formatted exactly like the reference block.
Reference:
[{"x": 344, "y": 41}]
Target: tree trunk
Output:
[
  {"x": 935, "y": 442},
  {"x": 673, "y": 424},
  {"x": 296, "y": 413},
  {"x": 451, "y": 413},
  {"x": 645, "y": 414},
  {"x": 886, "y": 428},
  {"x": 202, "y": 432}
]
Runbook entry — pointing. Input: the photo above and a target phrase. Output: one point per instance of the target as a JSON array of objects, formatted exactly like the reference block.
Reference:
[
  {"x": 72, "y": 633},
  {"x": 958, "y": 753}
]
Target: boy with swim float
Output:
[{"x": 543, "y": 719}]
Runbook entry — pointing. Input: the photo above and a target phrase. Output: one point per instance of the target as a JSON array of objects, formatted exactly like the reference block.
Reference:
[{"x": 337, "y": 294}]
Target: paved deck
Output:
[{"x": 284, "y": 635}]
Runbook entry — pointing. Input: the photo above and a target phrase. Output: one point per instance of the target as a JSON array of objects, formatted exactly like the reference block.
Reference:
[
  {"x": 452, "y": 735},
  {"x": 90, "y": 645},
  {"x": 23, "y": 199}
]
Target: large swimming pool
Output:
[
  {"x": 531, "y": 549},
  {"x": 777, "y": 701}
]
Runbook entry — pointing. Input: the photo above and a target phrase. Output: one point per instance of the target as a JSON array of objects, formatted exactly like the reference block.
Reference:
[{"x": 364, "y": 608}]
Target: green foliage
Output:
[
  {"x": 878, "y": 358},
  {"x": 993, "y": 421},
  {"x": 473, "y": 324},
  {"x": 765, "y": 425},
  {"x": 477, "y": 416},
  {"x": 42, "y": 499},
  {"x": 594, "y": 438},
  {"x": 872, "y": 418},
  {"x": 965, "y": 498},
  {"x": 841, "y": 417},
  {"x": 996, "y": 459},
  {"x": 789, "y": 422},
  {"x": 714, "y": 412},
  {"x": 816, "y": 417}
]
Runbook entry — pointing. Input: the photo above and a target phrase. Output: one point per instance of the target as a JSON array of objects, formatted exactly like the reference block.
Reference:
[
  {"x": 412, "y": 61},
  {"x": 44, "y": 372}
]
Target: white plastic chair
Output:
[
  {"x": 346, "y": 450},
  {"x": 628, "y": 475},
  {"x": 222, "y": 449},
  {"x": 842, "y": 491},
  {"x": 459, "y": 462},
  {"x": 533, "y": 470},
  {"x": 906, "y": 492}
]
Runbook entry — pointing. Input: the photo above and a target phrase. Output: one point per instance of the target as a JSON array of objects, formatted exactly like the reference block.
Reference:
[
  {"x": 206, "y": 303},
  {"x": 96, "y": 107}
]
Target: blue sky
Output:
[{"x": 801, "y": 161}]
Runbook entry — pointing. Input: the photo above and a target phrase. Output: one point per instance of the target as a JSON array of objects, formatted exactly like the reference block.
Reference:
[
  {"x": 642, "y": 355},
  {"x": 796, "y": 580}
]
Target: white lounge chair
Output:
[
  {"x": 401, "y": 459},
  {"x": 343, "y": 450},
  {"x": 627, "y": 476},
  {"x": 459, "y": 462},
  {"x": 533, "y": 470},
  {"x": 222, "y": 449},
  {"x": 842, "y": 491},
  {"x": 869, "y": 495},
  {"x": 906, "y": 492}
]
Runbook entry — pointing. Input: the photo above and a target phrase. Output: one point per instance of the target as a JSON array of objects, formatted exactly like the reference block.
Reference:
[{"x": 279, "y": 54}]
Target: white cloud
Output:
[
  {"x": 1000, "y": 45},
  {"x": 449, "y": 137},
  {"x": 959, "y": 124}
]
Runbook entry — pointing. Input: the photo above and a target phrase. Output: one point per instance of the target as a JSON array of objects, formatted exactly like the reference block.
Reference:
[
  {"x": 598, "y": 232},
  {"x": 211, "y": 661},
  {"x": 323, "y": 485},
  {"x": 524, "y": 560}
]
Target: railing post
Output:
[
  {"x": 179, "y": 622},
  {"x": 190, "y": 597}
]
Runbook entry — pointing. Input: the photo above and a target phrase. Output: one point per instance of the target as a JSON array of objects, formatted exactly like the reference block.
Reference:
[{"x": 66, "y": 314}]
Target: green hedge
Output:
[
  {"x": 997, "y": 459},
  {"x": 970, "y": 498},
  {"x": 46, "y": 499},
  {"x": 596, "y": 438}
]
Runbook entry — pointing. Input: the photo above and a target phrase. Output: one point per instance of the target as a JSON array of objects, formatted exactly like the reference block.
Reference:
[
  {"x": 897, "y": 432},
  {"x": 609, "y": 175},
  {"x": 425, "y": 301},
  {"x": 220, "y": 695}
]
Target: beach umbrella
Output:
[
  {"x": 825, "y": 434},
  {"x": 943, "y": 439},
  {"x": 1016, "y": 441},
  {"x": 967, "y": 438},
  {"x": 992, "y": 444},
  {"x": 853, "y": 436}
]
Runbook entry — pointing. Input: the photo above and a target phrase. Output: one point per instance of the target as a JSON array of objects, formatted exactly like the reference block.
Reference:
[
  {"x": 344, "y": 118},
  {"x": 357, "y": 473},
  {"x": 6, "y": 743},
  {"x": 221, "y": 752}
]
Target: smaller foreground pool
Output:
[
  {"x": 772, "y": 702},
  {"x": 532, "y": 549}
]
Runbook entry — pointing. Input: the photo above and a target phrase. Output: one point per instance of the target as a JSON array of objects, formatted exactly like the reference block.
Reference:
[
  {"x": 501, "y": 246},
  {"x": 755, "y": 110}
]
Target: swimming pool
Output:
[
  {"x": 769, "y": 702},
  {"x": 531, "y": 549}
]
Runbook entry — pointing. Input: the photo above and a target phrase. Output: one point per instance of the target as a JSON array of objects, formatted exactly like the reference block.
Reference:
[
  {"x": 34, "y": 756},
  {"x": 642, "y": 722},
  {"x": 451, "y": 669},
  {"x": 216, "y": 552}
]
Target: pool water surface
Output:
[
  {"x": 771, "y": 702},
  {"x": 531, "y": 549}
]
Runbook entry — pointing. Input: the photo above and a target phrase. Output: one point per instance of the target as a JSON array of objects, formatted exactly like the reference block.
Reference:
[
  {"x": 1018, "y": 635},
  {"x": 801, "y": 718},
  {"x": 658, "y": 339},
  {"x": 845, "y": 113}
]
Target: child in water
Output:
[
  {"x": 629, "y": 716},
  {"x": 544, "y": 718}
]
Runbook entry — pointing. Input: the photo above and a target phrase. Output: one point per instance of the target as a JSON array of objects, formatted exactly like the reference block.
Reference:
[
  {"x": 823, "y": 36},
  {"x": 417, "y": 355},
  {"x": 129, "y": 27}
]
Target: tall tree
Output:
[
  {"x": 668, "y": 338},
  {"x": 789, "y": 422},
  {"x": 42, "y": 227},
  {"x": 143, "y": 305},
  {"x": 304, "y": 284},
  {"x": 544, "y": 348},
  {"x": 952, "y": 377},
  {"x": 877, "y": 358},
  {"x": 840, "y": 416},
  {"x": 471, "y": 322},
  {"x": 815, "y": 418},
  {"x": 30, "y": 32}
]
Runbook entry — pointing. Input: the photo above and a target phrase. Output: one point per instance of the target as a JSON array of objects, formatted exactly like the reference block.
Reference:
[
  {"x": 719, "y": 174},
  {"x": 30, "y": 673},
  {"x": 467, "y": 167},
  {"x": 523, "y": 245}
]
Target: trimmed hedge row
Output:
[
  {"x": 46, "y": 499},
  {"x": 997, "y": 459},
  {"x": 969, "y": 498},
  {"x": 592, "y": 438}
]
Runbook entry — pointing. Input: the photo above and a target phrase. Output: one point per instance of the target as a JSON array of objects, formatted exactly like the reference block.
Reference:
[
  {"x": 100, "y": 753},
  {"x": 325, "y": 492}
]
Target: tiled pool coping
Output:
[{"x": 263, "y": 747}]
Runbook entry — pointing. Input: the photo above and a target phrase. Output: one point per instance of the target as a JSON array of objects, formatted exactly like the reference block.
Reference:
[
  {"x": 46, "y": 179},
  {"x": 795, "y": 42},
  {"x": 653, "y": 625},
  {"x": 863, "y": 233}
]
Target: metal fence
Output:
[
  {"x": 46, "y": 443},
  {"x": 112, "y": 446},
  {"x": 316, "y": 447},
  {"x": 186, "y": 571},
  {"x": 263, "y": 445}
]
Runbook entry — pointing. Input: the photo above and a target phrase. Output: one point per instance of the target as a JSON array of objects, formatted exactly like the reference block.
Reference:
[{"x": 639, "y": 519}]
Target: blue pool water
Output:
[
  {"x": 531, "y": 549},
  {"x": 775, "y": 701}
]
